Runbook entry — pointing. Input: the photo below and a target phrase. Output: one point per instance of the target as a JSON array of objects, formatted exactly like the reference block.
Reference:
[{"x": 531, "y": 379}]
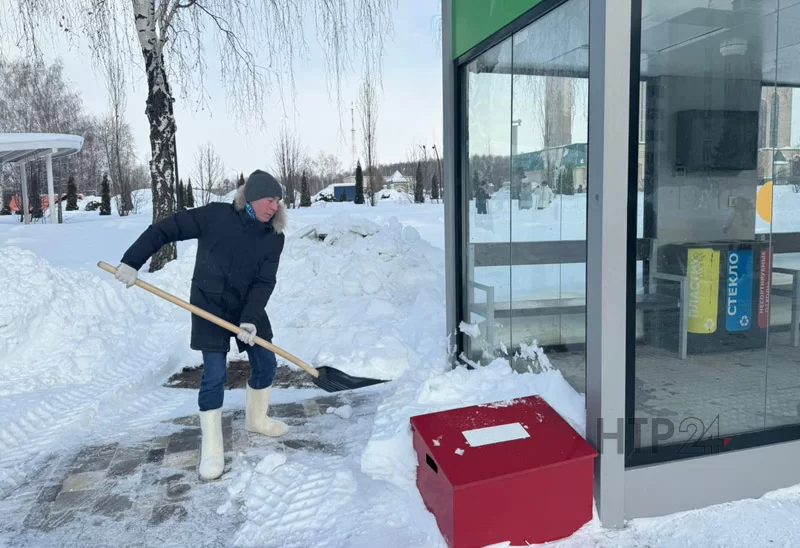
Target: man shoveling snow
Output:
[{"x": 238, "y": 251}]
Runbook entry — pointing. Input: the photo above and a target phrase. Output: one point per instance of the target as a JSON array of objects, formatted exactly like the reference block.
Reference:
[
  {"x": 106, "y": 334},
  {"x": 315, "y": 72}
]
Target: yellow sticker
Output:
[
  {"x": 703, "y": 277},
  {"x": 764, "y": 202}
]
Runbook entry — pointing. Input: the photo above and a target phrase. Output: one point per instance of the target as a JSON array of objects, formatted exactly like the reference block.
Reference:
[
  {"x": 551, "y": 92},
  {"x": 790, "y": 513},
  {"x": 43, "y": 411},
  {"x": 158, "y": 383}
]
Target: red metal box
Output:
[{"x": 505, "y": 471}]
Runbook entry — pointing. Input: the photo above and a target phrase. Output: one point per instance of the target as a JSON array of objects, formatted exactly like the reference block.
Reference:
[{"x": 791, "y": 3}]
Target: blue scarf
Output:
[{"x": 250, "y": 211}]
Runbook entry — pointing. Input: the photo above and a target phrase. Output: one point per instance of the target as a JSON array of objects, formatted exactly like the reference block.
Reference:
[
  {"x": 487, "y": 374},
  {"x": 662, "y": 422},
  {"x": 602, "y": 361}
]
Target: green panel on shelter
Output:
[{"x": 476, "y": 20}]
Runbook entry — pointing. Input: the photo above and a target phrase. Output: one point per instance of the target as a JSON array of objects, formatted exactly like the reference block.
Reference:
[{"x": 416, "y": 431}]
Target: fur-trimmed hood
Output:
[{"x": 279, "y": 220}]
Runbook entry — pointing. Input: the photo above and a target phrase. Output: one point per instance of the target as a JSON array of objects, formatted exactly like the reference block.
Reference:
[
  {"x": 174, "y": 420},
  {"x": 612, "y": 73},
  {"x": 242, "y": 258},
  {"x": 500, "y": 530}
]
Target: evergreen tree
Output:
[
  {"x": 7, "y": 196},
  {"x": 189, "y": 195},
  {"x": 419, "y": 194},
  {"x": 567, "y": 182},
  {"x": 72, "y": 194},
  {"x": 105, "y": 195},
  {"x": 241, "y": 180},
  {"x": 434, "y": 187},
  {"x": 359, "y": 197},
  {"x": 518, "y": 173},
  {"x": 305, "y": 195},
  {"x": 180, "y": 201}
]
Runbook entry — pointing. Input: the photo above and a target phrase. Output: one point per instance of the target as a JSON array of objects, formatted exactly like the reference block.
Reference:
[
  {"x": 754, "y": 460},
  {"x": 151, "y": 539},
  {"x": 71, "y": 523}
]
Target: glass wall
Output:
[
  {"x": 716, "y": 355},
  {"x": 484, "y": 177},
  {"x": 523, "y": 175}
]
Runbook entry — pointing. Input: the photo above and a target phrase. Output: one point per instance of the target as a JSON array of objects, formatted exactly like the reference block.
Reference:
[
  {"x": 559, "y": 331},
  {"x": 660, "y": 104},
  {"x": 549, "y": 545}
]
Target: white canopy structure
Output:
[{"x": 21, "y": 148}]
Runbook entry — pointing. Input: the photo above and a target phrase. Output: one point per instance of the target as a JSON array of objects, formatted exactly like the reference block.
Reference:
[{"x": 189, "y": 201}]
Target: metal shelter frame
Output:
[{"x": 21, "y": 148}]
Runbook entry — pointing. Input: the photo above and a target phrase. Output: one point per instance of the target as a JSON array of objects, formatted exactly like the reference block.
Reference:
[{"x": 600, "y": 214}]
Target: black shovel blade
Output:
[{"x": 333, "y": 380}]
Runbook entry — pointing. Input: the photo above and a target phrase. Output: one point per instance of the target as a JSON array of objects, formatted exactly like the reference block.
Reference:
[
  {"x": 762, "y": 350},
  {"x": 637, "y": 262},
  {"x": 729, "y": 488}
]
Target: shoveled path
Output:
[{"x": 149, "y": 494}]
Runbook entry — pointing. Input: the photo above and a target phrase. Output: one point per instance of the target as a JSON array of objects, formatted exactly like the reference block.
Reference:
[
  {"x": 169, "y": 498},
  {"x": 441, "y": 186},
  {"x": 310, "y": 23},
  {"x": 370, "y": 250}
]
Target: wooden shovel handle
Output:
[{"x": 214, "y": 319}]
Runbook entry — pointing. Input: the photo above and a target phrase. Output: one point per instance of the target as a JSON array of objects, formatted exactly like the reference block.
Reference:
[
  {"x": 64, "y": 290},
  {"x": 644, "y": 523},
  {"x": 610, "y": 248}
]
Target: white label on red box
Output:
[{"x": 495, "y": 434}]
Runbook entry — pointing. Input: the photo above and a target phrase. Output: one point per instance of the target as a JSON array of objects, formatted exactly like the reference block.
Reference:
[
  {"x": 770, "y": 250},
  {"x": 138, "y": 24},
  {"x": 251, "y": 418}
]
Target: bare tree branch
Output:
[
  {"x": 256, "y": 43},
  {"x": 290, "y": 160},
  {"x": 209, "y": 172},
  {"x": 368, "y": 109}
]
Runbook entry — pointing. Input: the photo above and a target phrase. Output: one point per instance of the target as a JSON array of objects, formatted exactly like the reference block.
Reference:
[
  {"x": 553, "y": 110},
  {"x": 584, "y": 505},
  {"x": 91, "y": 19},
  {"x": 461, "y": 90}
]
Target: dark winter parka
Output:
[{"x": 235, "y": 269}]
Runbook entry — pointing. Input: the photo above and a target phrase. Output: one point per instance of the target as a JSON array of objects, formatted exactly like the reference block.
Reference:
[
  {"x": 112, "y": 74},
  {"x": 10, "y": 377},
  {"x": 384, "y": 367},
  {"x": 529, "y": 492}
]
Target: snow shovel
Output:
[{"x": 328, "y": 378}]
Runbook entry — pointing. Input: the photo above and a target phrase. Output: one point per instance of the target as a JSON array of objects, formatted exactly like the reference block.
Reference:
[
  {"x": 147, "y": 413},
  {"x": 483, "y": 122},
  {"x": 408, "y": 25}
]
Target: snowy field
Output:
[
  {"x": 84, "y": 359},
  {"x": 565, "y": 219}
]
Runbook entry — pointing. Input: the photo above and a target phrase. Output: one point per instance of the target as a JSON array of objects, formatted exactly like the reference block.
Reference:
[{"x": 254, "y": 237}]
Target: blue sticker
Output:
[{"x": 739, "y": 291}]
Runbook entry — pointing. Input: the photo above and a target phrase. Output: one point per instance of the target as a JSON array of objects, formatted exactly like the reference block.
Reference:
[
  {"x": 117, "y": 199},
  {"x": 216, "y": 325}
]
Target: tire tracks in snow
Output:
[
  {"x": 59, "y": 420},
  {"x": 295, "y": 503}
]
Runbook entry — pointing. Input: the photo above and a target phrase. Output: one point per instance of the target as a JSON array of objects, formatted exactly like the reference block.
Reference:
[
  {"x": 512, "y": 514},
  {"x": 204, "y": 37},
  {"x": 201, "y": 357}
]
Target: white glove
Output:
[
  {"x": 248, "y": 336},
  {"x": 126, "y": 274}
]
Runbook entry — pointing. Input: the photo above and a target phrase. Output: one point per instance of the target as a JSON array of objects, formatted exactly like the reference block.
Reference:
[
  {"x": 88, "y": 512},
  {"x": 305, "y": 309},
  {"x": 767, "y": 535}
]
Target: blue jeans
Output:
[{"x": 212, "y": 387}]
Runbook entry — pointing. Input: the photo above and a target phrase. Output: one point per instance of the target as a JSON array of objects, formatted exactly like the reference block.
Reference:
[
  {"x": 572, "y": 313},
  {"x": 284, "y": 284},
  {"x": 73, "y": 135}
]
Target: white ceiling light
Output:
[{"x": 733, "y": 46}]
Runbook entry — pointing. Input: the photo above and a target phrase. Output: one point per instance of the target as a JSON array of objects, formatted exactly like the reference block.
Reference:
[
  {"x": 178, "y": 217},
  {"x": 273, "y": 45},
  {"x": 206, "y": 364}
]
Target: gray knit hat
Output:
[{"x": 261, "y": 184}]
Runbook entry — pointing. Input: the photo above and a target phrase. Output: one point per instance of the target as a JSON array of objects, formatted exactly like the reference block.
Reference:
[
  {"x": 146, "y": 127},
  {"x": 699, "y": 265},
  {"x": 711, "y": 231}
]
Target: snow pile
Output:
[
  {"x": 78, "y": 351},
  {"x": 366, "y": 281},
  {"x": 58, "y": 322},
  {"x": 394, "y": 196},
  {"x": 82, "y": 355},
  {"x": 335, "y": 229},
  {"x": 322, "y": 195}
]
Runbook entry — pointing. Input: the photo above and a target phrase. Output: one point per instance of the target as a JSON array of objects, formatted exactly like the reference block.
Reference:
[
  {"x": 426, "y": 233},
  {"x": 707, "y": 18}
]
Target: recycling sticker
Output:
[
  {"x": 739, "y": 291},
  {"x": 704, "y": 278}
]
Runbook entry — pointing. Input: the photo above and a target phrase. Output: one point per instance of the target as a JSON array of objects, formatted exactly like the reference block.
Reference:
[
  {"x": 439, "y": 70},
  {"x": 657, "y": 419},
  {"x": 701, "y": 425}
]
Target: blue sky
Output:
[{"x": 409, "y": 110}]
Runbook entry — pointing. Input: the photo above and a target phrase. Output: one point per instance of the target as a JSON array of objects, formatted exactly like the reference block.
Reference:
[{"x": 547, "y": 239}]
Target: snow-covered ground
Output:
[{"x": 82, "y": 358}]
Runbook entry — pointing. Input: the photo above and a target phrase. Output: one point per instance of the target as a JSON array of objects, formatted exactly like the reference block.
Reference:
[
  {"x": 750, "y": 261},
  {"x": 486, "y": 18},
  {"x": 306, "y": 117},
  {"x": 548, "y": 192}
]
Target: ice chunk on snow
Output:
[
  {"x": 370, "y": 283},
  {"x": 344, "y": 411},
  {"x": 363, "y": 227},
  {"x": 342, "y": 229},
  {"x": 269, "y": 463},
  {"x": 535, "y": 354},
  {"x": 223, "y": 509},
  {"x": 470, "y": 329}
]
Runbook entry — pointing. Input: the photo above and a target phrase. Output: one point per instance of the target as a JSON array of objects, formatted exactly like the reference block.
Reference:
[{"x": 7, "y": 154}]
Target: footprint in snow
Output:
[{"x": 269, "y": 463}]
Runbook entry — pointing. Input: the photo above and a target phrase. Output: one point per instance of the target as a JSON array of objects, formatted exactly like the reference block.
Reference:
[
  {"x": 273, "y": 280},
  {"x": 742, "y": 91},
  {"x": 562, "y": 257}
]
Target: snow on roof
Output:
[
  {"x": 18, "y": 147},
  {"x": 396, "y": 177}
]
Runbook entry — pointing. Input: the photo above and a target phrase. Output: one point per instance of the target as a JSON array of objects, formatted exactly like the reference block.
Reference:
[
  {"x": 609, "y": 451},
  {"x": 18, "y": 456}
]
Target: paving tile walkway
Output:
[{"x": 149, "y": 493}]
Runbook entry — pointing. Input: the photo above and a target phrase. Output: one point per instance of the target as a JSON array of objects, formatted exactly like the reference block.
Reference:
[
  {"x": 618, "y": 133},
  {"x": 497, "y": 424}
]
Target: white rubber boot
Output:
[
  {"x": 256, "y": 419},
  {"x": 212, "y": 453}
]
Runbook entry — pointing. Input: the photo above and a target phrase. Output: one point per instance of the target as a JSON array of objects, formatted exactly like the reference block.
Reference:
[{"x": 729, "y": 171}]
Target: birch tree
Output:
[{"x": 256, "y": 42}]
